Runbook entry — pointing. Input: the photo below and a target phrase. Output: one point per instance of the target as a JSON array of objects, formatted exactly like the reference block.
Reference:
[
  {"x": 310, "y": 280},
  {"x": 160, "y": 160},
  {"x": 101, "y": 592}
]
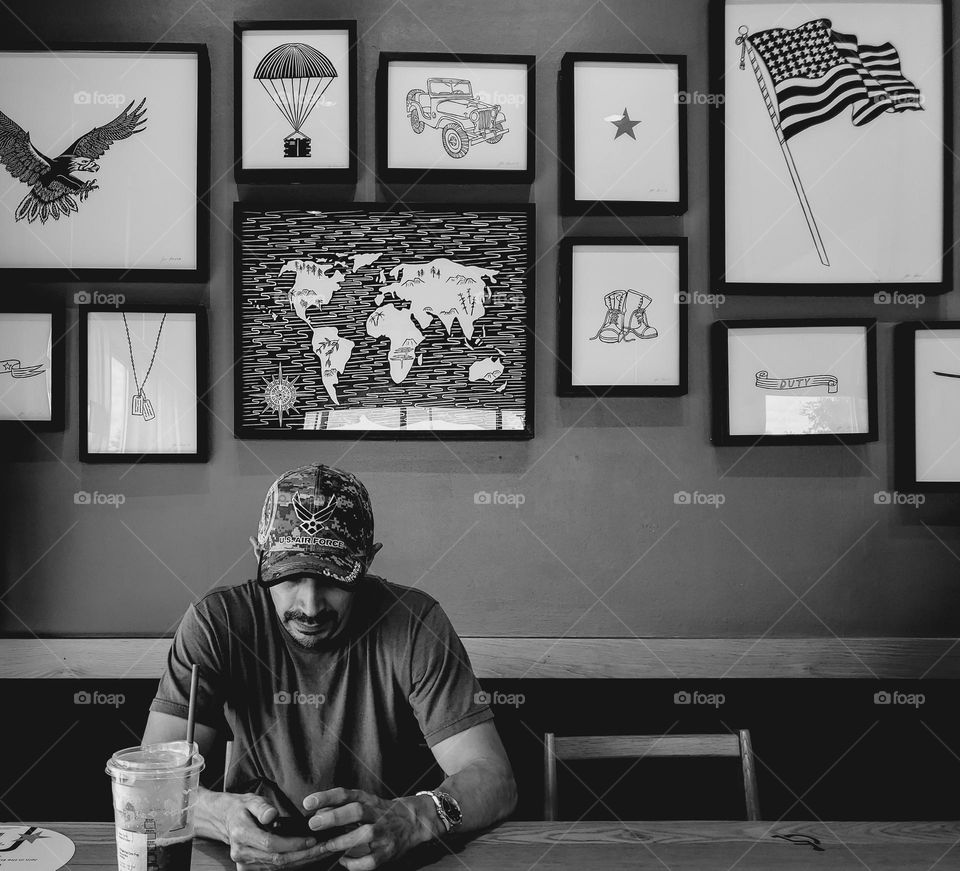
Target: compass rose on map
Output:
[{"x": 280, "y": 394}]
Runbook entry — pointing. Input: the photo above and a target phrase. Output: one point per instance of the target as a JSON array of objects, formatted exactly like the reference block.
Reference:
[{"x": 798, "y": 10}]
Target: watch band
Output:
[{"x": 444, "y": 818}]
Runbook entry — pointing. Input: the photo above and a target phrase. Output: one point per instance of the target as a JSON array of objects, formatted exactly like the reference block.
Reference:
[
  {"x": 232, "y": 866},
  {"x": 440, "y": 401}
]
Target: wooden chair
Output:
[{"x": 643, "y": 746}]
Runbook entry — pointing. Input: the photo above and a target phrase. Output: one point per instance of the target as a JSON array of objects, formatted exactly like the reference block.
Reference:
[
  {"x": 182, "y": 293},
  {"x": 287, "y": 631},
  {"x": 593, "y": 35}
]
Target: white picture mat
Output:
[
  {"x": 599, "y": 269},
  {"x": 144, "y": 214},
  {"x": 793, "y": 352},
  {"x": 937, "y": 405},
  {"x": 27, "y": 337},
  {"x": 643, "y": 169},
  {"x": 876, "y": 191},
  {"x": 263, "y": 126},
  {"x": 497, "y": 83},
  {"x": 171, "y": 386}
]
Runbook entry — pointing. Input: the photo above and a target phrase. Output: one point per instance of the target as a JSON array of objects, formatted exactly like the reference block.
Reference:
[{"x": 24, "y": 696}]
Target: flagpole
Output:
[{"x": 746, "y": 47}]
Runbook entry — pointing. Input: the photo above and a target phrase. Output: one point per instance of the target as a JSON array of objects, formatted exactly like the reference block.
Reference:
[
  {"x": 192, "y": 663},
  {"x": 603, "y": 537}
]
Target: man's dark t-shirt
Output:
[{"x": 354, "y": 716}]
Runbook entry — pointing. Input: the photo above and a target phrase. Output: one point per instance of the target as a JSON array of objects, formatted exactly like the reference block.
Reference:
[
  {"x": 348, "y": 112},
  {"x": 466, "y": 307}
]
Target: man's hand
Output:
[
  {"x": 386, "y": 828},
  {"x": 253, "y": 848}
]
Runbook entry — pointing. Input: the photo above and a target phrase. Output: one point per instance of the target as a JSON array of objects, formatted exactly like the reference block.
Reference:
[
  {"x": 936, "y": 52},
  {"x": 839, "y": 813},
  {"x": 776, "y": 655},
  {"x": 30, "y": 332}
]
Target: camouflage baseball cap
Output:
[{"x": 316, "y": 520}]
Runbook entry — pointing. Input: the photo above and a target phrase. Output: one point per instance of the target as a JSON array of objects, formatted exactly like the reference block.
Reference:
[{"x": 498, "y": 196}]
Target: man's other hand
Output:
[{"x": 252, "y": 847}]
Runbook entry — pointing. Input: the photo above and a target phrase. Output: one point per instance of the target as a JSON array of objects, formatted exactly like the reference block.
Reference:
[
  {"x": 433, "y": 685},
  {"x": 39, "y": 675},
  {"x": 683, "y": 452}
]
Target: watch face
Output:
[{"x": 450, "y": 807}]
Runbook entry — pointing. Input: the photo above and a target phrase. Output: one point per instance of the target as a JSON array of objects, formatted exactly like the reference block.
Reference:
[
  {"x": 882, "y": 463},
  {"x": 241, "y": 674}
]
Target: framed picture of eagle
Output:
[
  {"x": 295, "y": 98},
  {"x": 831, "y": 147},
  {"x": 104, "y": 160}
]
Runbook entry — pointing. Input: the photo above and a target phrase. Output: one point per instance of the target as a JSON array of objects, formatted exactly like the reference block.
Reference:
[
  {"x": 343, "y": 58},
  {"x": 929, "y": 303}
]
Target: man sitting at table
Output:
[{"x": 330, "y": 679}]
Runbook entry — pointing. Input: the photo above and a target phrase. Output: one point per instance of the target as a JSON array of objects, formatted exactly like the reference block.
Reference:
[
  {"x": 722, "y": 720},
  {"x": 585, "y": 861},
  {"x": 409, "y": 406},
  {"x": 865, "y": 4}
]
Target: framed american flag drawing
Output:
[{"x": 831, "y": 147}]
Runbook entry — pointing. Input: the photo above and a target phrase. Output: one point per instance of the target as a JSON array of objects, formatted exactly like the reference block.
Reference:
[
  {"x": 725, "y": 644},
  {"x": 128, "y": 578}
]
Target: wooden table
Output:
[{"x": 677, "y": 846}]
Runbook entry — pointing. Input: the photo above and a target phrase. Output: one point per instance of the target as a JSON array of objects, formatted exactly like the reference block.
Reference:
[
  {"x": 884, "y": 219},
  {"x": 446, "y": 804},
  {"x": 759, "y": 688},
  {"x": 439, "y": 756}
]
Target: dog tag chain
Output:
[{"x": 140, "y": 406}]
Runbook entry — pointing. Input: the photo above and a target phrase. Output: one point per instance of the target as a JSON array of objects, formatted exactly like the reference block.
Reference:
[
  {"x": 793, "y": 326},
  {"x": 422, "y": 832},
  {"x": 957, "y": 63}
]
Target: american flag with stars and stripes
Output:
[{"x": 817, "y": 72}]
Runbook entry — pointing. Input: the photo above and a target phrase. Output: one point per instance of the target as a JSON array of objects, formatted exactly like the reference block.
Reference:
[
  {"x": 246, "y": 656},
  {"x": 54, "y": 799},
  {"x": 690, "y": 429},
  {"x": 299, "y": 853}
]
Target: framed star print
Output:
[
  {"x": 623, "y": 134},
  {"x": 384, "y": 321},
  {"x": 623, "y": 317},
  {"x": 831, "y": 147},
  {"x": 31, "y": 369},
  {"x": 927, "y": 406},
  {"x": 456, "y": 118},
  {"x": 794, "y": 382},
  {"x": 104, "y": 162},
  {"x": 295, "y": 92},
  {"x": 143, "y": 384}
]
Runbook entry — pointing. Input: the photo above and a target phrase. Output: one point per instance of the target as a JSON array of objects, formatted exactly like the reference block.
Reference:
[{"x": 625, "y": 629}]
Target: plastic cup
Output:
[{"x": 155, "y": 790}]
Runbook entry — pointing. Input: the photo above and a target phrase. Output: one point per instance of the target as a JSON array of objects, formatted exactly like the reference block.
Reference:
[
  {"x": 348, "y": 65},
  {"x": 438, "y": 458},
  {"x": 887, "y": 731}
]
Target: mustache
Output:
[{"x": 321, "y": 619}]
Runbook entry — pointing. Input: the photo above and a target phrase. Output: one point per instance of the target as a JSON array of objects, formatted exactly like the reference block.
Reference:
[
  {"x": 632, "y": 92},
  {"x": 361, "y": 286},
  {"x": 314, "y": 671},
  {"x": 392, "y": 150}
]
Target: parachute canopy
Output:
[{"x": 295, "y": 76}]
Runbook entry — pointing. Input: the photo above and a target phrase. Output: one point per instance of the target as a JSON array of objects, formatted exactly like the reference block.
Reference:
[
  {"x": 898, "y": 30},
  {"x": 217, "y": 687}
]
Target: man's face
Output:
[{"x": 311, "y": 609}]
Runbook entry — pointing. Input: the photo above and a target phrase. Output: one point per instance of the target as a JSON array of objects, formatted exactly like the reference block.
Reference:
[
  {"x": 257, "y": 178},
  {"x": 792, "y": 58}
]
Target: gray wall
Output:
[{"x": 598, "y": 479}]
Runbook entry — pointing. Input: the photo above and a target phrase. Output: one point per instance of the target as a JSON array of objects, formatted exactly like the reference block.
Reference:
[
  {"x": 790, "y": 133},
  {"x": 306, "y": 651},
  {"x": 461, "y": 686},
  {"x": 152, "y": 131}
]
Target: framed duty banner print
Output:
[
  {"x": 456, "y": 118},
  {"x": 927, "y": 406},
  {"x": 105, "y": 159},
  {"x": 31, "y": 368},
  {"x": 295, "y": 99},
  {"x": 142, "y": 384},
  {"x": 623, "y": 134},
  {"x": 794, "y": 382},
  {"x": 831, "y": 158},
  {"x": 384, "y": 321},
  {"x": 622, "y": 317}
]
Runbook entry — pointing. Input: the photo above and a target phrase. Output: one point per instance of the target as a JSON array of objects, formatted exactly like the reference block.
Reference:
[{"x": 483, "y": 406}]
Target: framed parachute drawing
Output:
[
  {"x": 831, "y": 147},
  {"x": 104, "y": 162},
  {"x": 382, "y": 320},
  {"x": 295, "y": 93}
]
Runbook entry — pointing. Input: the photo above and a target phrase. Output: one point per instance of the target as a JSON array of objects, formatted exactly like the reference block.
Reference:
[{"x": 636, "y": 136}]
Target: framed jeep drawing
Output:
[{"x": 455, "y": 119}]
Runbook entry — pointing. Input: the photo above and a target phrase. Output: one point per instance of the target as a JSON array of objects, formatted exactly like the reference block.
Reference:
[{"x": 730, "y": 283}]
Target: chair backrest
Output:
[{"x": 644, "y": 746}]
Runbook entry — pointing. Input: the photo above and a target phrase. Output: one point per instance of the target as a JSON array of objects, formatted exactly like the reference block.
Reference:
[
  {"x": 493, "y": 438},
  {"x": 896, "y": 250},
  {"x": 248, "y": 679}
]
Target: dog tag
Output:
[
  {"x": 136, "y": 406},
  {"x": 148, "y": 409}
]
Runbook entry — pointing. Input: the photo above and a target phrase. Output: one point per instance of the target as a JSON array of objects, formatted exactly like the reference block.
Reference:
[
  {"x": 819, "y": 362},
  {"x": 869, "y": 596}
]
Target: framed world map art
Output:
[{"x": 384, "y": 321}]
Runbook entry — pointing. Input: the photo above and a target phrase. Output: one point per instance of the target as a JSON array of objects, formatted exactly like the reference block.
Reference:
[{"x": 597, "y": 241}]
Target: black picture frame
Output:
[
  {"x": 569, "y": 204},
  {"x": 717, "y": 164},
  {"x": 720, "y": 382},
  {"x": 243, "y": 431},
  {"x": 9, "y": 426},
  {"x": 203, "y": 448},
  {"x": 565, "y": 386},
  {"x": 315, "y": 175},
  {"x": 133, "y": 274},
  {"x": 905, "y": 404},
  {"x": 414, "y": 176}
]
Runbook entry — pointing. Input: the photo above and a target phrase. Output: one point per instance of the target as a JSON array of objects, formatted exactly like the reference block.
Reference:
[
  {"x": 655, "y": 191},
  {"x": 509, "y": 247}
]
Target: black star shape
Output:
[{"x": 625, "y": 125}]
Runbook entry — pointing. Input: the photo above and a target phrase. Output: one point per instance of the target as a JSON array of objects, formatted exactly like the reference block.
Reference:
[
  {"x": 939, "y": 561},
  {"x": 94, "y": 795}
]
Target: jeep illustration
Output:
[{"x": 450, "y": 106}]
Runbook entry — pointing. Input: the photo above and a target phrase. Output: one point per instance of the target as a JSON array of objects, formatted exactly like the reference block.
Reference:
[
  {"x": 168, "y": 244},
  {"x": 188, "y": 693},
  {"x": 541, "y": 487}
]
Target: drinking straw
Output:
[{"x": 191, "y": 719}]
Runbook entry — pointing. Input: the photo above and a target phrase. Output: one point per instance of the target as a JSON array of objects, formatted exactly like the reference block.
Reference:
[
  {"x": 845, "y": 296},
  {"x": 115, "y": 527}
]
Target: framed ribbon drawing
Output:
[
  {"x": 105, "y": 162},
  {"x": 623, "y": 134},
  {"x": 831, "y": 147},
  {"x": 142, "y": 384},
  {"x": 384, "y": 321},
  {"x": 295, "y": 93},
  {"x": 456, "y": 118},
  {"x": 622, "y": 316},
  {"x": 927, "y": 406},
  {"x": 794, "y": 382},
  {"x": 31, "y": 368}
]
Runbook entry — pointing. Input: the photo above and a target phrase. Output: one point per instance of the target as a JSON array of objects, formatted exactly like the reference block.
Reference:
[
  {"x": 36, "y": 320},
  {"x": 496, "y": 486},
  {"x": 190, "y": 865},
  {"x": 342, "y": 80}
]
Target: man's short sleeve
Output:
[
  {"x": 445, "y": 695},
  {"x": 195, "y": 642}
]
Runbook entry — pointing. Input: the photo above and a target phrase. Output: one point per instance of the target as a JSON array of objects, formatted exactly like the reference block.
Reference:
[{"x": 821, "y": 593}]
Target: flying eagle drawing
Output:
[{"x": 54, "y": 189}]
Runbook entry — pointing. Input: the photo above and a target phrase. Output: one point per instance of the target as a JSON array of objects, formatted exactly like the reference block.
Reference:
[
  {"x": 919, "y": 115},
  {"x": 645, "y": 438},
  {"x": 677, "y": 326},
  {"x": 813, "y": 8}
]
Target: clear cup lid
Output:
[{"x": 156, "y": 760}]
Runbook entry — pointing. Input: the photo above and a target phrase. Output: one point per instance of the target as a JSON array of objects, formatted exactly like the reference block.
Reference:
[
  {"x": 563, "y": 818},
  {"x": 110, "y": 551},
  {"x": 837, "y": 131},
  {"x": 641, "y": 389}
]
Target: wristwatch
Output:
[{"x": 448, "y": 809}]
